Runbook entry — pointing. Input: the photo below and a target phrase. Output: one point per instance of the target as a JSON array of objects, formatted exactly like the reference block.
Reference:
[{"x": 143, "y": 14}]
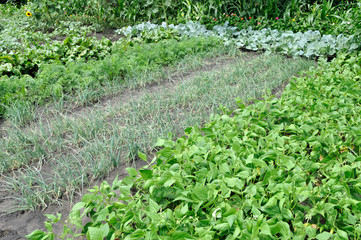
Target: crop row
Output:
[
  {"x": 56, "y": 80},
  {"x": 310, "y": 44},
  {"x": 329, "y": 16}
]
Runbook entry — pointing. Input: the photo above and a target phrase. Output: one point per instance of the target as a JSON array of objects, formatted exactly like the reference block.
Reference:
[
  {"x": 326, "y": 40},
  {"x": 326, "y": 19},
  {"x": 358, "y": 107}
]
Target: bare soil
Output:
[{"x": 109, "y": 35}]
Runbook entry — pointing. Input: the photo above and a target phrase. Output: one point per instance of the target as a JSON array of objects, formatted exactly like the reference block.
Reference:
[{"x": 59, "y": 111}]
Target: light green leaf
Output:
[
  {"x": 153, "y": 206},
  {"x": 146, "y": 174},
  {"x": 36, "y": 235},
  {"x": 95, "y": 233},
  {"x": 179, "y": 235},
  {"x": 324, "y": 236},
  {"x": 142, "y": 156},
  {"x": 137, "y": 234},
  {"x": 78, "y": 206},
  {"x": 132, "y": 172},
  {"x": 200, "y": 193}
]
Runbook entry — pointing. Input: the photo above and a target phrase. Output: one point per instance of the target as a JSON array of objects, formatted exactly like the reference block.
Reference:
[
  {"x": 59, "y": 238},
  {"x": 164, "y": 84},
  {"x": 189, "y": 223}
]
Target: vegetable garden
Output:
[{"x": 158, "y": 119}]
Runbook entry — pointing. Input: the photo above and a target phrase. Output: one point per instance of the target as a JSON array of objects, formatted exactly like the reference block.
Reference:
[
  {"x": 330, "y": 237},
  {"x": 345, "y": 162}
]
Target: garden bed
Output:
[
  {"x": 225, "y": 160},
  {"x": 174, "y": 97}
]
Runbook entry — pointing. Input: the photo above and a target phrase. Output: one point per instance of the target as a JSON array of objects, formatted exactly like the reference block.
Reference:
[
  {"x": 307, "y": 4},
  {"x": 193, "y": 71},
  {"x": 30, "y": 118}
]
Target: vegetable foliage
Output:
[
  {"x": 287, "y": 168},
  {"x": 310, "y": 44},
  {"x": 56, "y": 80}
]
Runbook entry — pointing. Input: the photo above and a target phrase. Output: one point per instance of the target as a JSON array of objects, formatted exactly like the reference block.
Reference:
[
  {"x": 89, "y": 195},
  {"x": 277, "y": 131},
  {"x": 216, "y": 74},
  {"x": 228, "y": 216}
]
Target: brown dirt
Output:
[
  {"x": 279, "y": 90},
  {"x": 110, "y": 35}
]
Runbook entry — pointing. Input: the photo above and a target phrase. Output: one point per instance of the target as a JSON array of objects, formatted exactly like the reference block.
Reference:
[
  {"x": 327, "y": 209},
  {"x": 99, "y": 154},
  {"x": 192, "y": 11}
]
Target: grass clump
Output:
[{"x": 285, "y": 168}]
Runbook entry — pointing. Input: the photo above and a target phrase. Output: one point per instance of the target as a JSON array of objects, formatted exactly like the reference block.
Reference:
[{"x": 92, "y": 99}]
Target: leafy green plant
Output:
[
  {"x": 72, "y": 48},
  {"x": 285, "y": 168},
  {"x": 310, "y": 44},
  {"x": 24, "y": 49}
]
